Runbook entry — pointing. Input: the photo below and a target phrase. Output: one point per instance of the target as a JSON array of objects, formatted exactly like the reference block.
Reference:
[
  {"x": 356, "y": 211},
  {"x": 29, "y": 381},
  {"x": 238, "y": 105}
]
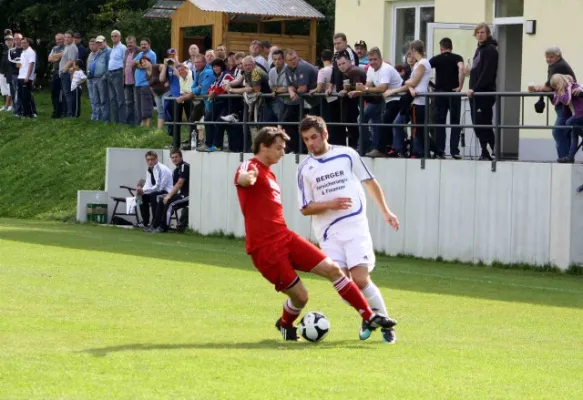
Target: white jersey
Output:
[{"x": 338, "y": 173}]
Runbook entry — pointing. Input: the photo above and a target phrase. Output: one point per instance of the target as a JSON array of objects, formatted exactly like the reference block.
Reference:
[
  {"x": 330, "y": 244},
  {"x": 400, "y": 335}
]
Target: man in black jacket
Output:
[{"x": 483, "y": 79}]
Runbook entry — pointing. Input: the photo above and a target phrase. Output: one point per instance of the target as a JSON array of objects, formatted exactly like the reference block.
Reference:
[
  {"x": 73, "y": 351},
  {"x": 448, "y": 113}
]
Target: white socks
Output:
[{"x": 375, "y": 299}]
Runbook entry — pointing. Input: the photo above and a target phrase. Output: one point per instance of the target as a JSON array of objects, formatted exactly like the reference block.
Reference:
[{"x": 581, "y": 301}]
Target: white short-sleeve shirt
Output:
[
  {"x": 337, "y": 173},
  {"x": 386, "y": 74},
  {"x": 27, "y": 57},
  {"x": 423, "y": 85}
]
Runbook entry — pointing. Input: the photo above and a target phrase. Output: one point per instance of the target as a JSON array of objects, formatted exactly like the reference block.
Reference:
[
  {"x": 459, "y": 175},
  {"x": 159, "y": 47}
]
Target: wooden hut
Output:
[{"x": 221, "y": 15}]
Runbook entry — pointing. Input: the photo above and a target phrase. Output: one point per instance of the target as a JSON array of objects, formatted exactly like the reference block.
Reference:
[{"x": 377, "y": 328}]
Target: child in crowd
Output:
[{"x": 77, "y": 78}]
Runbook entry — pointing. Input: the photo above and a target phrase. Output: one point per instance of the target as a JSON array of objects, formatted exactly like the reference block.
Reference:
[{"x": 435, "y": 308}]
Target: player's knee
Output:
[
  {"x": 302, "y": 300},
  {"x": 361, "y": 281}
]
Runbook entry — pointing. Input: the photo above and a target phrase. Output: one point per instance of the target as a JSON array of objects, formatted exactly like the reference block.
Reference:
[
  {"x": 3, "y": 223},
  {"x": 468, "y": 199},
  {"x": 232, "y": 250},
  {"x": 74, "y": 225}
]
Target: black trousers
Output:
[
  {"x": 483, "y": 114},
  {"x": 343, "y": 110},
  {"x": 164, "y": 211},
  {"x": 443, "y": 105},
  {"x": 150, "y": 200},
  {"x": 57, "y": 96},
  {"x": 25, "y": 94}
]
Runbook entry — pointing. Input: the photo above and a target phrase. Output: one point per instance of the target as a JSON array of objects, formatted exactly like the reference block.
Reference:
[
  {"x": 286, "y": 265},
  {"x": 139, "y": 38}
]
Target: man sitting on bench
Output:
[
  {"x": 158, "y": 182},
  {"x": 177, "y": 198}
]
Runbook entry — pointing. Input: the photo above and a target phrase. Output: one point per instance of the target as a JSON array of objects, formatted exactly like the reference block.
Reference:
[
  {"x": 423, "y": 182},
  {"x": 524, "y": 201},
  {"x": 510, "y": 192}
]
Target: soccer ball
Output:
[{"x": 314, "y": 326}]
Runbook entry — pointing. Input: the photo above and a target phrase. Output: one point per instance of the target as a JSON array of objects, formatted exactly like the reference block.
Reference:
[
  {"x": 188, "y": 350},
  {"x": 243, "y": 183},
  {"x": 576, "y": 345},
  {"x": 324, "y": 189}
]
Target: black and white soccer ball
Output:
[{"x": 314, "y": 326}]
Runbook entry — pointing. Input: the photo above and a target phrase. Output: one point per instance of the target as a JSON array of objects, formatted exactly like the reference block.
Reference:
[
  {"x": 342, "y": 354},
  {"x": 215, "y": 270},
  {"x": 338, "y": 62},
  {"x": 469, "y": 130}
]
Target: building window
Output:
[
  {"x": 410, "y": 23},
  {"x": 509, "y": 8}
]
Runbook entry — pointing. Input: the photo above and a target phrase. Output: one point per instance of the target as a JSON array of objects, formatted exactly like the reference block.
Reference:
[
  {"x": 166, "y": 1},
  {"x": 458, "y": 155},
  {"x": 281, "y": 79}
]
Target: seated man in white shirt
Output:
[{"x": 158, "y": 182}]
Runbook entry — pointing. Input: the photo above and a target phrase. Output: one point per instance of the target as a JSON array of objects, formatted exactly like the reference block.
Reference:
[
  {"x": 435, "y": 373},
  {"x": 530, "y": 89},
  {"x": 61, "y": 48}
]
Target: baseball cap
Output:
[
  {"x": 100, "y": 39},
  {"x": 8, "y": 37},
  {"x": 172, "y": 51},
  {"x": 361, "y": 43},
  {"x": 77, "y": 35}
]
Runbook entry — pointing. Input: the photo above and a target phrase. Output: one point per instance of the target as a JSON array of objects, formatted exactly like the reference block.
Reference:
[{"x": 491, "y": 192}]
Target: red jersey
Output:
[{"x": 261, "y": 207}]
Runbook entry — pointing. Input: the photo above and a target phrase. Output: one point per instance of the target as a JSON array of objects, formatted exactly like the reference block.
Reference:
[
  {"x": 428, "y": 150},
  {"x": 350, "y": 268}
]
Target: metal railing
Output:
[{"x": 496, "y": 125}]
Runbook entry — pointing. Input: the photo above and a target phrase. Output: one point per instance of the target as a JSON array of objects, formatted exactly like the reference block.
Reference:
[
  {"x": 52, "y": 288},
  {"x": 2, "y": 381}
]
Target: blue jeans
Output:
[
  {"x": 373, "y": 112},
  {"x": 102, "y": 99},
  {"x": 575, "y": 133},
  {"x": 117, "y": 100},
  {"x": 562, "y": 136},
  {"x": 399, "y": 134},
  {"x": 67, "y": 94},
  {"x": 91, "y": 90}
]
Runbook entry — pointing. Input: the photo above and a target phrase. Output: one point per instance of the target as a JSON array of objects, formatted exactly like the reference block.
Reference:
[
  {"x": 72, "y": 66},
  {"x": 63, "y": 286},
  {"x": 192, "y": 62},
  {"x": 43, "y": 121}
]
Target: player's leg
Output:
[
  {"x": 360, "y": 255},
  {"x": 305, "y": 255},
  {"x": 275, "y": 265}
]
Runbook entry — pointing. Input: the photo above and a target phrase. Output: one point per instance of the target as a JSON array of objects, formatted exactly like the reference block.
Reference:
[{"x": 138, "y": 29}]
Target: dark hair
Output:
[
  {"x": 327, "y": 55},
  {"x": 339, "y": 35},
  {"x": 176, "y": 151},
  {"x": 265, "y": 44},
  {"x": 267, "y": 137},
  {"x": 145, "y": 40},
  {"x": 400, "y": 68},
  {"x": 28, "y": 40},
  {"x": 151, "y": 154},
  {"x": 69, "y": 33},
  {"x": 418, "y": 46},
  {"x": 278, "y": 52},
  {"x": 145, "y": 58},
  {"x": 78, "y": 62},
  {"x": 230, "y": 54},
  {"x": 446, "y": 43},
  {"x": 220, "y": 63},
  {"x": 343, "y": 55},
  {"x": 313, "y": 121}
]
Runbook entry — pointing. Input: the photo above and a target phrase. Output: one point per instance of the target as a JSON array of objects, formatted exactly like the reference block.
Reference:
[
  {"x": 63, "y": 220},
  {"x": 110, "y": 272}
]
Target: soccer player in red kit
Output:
[{"x": 276, "y": 251}]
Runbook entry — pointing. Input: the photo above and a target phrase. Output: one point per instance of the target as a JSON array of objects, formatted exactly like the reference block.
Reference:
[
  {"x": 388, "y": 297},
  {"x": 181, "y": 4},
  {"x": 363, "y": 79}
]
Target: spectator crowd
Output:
[{"x": 127, "y": 83}]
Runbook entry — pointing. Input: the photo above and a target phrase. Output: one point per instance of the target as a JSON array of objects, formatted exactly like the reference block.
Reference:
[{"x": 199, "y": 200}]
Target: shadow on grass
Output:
[
  {"x": 402, "y": 274},
  {"x": 272, "y": 344}
]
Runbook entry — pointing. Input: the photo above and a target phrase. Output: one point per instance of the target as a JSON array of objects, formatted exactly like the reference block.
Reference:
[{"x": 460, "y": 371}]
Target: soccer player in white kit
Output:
[{"x": 330, "y": 190}]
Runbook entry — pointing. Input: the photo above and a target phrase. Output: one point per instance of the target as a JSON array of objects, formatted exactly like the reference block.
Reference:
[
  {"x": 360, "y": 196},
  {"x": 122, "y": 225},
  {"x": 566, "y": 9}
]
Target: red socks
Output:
[
  {"x": 290, "y": 314},
  {"x": 350, "y": 292}
]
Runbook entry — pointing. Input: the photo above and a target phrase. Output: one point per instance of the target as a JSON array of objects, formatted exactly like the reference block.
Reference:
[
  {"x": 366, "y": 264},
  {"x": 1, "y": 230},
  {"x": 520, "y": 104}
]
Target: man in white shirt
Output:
[
  {"x": 380, "y": 76},
  {"x": 26, "y": 76},
  {"x": 70, "y": 54},
  {"x": 158, "y": 182},
  {"x": 330, "y": 190}
]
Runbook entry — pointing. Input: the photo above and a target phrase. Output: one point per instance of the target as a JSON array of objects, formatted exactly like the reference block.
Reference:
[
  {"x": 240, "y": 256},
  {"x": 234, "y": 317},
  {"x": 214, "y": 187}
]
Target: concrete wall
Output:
[
  {"x": 458, "y": 210},
  {"x": 85, "y": 197}
]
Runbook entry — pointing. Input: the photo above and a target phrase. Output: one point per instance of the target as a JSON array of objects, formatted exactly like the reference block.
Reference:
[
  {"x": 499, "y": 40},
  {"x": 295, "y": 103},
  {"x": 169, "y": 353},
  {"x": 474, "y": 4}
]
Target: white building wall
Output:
[{"x": 457, "y": 210}]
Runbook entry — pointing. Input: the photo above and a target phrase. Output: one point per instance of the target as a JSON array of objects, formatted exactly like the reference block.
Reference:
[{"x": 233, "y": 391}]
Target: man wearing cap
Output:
[
  {"x": 98, "y": 74},
  {"x": 70, "y": 54},
  {"x": 117, "y": 100},
  {"x": 361, "y": 51},
  {"x": 56, "y": 86}
]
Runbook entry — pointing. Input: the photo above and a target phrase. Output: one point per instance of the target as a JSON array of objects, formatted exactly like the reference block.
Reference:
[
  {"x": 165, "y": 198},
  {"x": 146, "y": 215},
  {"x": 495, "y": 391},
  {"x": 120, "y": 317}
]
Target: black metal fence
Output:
[{"x": 496, "y": 125}]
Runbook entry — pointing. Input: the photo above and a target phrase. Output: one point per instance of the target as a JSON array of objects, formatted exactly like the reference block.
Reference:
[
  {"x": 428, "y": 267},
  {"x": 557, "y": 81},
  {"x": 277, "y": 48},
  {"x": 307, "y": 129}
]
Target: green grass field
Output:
[
  {"x": 44, "y": 161},
  {"x": 89, "y": 312}
]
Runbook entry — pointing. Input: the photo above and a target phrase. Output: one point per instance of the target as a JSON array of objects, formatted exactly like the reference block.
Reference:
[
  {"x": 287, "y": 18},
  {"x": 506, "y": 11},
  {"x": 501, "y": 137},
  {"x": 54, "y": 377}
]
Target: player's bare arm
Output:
[
  {"x": 376, "y": 192},
  {"x": 248, "y": 178},
  {"x": 318, "y": 207}
]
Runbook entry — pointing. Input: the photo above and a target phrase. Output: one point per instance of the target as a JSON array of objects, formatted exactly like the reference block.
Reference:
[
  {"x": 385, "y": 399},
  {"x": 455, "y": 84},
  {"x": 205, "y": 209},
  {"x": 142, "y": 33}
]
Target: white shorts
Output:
[
  {"x": 350, "y": 252},
  {"x": 4, "y": 86}
]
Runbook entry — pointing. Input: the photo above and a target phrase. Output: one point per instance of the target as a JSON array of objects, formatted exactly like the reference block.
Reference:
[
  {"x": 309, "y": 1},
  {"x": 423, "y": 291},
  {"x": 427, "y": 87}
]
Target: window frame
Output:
[{"x": 417, "y": 5}]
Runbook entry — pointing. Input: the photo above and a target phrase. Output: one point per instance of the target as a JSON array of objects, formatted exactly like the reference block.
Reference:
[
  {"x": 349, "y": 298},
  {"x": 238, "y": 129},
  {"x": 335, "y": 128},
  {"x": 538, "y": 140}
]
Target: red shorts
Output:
[{"x": 279, "y": 261}]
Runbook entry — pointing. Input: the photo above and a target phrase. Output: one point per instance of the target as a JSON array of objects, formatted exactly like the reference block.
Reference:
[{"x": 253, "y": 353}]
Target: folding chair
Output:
[{"x": 119, "y": 200}]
